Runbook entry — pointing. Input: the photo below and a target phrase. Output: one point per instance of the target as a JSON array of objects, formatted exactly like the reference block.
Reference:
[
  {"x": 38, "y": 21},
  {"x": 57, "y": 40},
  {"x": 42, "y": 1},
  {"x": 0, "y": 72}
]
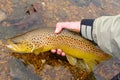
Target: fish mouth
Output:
[
  {"x": 10, "y": 45},
  {"x": 15, "y": 47}
]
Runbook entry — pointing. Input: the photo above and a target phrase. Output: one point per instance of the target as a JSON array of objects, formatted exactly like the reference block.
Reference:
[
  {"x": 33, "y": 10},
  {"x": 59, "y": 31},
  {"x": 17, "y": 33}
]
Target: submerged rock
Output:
[
  {"x": 19, "y": 71},
  {"x": 109, "y": 70}
]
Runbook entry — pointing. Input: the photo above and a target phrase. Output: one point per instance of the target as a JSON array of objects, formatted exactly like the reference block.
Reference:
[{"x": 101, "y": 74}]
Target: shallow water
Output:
[{"x": 46, "y": 14}]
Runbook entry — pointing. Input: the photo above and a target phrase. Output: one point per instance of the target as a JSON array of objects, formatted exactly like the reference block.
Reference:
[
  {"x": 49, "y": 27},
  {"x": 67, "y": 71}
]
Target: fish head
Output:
[{"x": 20, "y": 46}]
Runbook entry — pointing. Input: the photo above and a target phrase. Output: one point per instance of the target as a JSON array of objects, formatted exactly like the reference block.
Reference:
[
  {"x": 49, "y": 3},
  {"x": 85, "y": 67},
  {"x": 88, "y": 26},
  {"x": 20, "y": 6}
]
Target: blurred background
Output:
[{"x": 18, "y": 16}]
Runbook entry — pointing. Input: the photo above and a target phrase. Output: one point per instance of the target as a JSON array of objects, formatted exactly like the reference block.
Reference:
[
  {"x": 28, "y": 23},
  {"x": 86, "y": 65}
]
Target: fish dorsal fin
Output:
[
  {"x": 38, "y": 50},
  {"x": 71, "y": 60}
]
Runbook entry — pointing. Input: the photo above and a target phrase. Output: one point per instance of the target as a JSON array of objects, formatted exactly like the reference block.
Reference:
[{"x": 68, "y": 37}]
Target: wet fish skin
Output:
[{"x": 44, "y": 39}]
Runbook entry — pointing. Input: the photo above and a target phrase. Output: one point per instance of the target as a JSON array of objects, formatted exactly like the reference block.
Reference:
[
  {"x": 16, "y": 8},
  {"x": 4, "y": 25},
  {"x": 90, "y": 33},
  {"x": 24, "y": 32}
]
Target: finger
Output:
[
  {"x": 58, "y": 28},
  {"x": 63, "y": 54},
  {"x": 53, "y": 51},
  {"x": 59, "y": 51}
]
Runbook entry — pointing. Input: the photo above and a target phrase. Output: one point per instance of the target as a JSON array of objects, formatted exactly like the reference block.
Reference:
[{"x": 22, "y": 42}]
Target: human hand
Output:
[
  {"x": 58, "y": 51},
  {"x": 72, "y": 26}
]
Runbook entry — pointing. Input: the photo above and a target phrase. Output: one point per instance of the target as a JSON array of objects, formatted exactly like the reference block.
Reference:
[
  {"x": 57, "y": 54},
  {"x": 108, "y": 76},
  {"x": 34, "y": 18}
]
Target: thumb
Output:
[{"x": 58, "y": 29}]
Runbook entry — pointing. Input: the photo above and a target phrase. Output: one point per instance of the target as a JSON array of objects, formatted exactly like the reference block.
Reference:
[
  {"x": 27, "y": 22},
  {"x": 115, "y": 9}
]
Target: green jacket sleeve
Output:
[{"x": 106, "y": 33}]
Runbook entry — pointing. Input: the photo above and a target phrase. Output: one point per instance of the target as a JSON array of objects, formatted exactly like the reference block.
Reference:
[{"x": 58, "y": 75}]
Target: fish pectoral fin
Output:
[
  {"x": 71, "y": 60},
  {"x": 38, "y": 50}
]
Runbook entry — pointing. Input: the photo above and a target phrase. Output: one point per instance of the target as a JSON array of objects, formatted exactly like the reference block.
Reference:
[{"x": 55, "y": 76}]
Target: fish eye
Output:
[{"x": 15, "y": 42}]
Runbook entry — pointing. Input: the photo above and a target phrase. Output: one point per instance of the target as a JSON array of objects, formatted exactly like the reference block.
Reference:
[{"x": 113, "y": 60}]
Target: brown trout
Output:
[{"x": 44, "y": 39}]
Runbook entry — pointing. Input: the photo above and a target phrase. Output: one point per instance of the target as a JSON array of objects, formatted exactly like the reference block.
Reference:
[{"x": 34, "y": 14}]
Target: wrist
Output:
[{"x": 75, "y": 26}]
